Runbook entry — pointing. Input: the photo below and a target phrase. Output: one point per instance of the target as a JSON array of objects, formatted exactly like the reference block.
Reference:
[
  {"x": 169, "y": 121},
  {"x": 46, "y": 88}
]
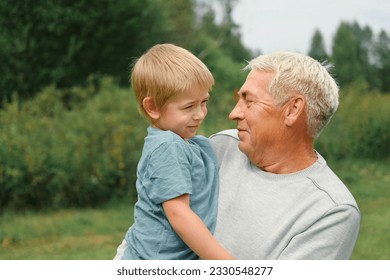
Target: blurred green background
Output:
[{"x": 71, "y": 136}]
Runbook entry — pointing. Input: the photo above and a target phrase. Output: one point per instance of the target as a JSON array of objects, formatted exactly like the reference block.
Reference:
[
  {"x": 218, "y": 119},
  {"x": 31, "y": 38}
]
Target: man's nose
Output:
[{"x": 237, "y": 112}]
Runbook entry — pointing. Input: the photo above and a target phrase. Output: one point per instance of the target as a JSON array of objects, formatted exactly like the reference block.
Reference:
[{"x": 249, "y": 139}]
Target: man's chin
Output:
[
  {"x": 241, "y": 146},
  {"x": 241, "y": 135}
]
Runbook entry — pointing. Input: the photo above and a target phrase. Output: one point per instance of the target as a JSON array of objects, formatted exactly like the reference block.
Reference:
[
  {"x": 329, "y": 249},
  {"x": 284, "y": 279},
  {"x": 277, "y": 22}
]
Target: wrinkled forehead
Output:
[{"x": 257, "y": 80}]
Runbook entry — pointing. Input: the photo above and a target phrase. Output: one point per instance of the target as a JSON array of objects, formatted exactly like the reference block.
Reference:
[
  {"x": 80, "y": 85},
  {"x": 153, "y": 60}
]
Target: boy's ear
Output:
[{"x": 151, "y": 108}]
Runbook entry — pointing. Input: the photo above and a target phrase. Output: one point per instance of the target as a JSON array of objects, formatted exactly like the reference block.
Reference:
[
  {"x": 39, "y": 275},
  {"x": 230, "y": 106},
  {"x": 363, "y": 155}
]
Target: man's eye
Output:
[{"x": 248, "y": 102}]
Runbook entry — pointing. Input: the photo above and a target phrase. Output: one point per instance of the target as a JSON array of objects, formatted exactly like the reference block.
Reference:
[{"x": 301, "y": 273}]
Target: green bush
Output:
[
  {"x": 53, "y": 157},
  {"x": 360, "y": 127}
]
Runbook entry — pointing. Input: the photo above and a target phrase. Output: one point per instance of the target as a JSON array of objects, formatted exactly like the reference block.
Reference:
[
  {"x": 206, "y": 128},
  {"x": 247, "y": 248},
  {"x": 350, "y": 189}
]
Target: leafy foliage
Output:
[
  {"x": 346, "y": 47},
  {"x": 317, "y": 47},
  {"x": 63, "y": 42},
  {"x": 382, "y": 50},
  {"x": 360, "y": 128},
  {"x": 358, "y": 54},
  {"x": 52, "y": 157}
]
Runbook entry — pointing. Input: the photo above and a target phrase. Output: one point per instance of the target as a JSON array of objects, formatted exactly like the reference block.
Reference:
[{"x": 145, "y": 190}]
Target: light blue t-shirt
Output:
[{"x": 170, "y": 167}]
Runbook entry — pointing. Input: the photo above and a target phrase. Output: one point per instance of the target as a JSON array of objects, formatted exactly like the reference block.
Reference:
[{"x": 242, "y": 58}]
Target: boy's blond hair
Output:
[{"x": 166, "y": 70}]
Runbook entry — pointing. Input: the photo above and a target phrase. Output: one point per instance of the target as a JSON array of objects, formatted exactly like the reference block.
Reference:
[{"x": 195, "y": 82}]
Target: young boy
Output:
[{"x": 177, "y": 175}]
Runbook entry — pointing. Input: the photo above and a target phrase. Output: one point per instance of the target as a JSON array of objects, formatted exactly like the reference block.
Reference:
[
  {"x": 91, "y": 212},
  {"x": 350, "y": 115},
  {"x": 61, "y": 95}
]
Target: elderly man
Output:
[{"x": 278, "y": 198}]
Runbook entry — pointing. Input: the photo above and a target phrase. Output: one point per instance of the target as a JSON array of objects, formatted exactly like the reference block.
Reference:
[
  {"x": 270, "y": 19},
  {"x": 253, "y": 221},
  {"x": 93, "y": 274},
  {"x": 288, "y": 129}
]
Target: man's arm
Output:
[
  {"x": 192, "y": 230},
  {"x": 333, "y": 236}
]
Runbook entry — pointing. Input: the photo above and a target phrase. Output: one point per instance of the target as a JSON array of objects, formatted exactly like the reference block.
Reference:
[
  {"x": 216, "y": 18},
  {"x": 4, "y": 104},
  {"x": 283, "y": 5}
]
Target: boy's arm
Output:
[{"x": 192, "y": 230}]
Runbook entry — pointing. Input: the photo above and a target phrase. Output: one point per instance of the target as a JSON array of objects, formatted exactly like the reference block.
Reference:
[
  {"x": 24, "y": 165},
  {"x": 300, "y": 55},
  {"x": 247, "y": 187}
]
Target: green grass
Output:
[
  {"x": 369, "y": 182},
  {"x": 95, "y": 233},
  {"x": 91, "y": 234}
]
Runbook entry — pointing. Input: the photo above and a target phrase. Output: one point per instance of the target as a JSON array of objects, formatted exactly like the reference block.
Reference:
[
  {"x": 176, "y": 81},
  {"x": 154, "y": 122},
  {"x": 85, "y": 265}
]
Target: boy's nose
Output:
[{"x": 199, "y": 114}]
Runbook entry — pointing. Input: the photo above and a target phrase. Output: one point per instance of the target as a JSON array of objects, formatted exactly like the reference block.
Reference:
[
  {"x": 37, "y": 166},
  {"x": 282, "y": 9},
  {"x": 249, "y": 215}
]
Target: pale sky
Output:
[{"x": 272, "y": 25}]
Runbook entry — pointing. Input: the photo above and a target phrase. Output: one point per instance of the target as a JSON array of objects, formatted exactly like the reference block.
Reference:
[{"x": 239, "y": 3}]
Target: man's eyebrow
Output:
[{"x": 235, "y": 95}]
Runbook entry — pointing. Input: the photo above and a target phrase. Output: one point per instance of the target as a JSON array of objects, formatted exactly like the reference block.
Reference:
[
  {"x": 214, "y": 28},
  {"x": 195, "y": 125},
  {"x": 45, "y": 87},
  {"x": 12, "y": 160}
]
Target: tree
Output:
[
  {"x": 317, "y": 47},
  {"x": 365, "y": 42},
  {"x": 63, "y": 42},
  {"x": 382, "y": 55},
  {"x": 182, "y": 29},
  {"x": 225, "y": 35},
  {"x": 346, "y": 55}
]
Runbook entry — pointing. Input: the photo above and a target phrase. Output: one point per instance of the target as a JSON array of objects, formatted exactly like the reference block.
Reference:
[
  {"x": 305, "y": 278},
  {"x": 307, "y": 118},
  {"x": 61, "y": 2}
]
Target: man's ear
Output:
[
  {"x": 295, "y": 109},
  {"x": 151, "y": 108}
]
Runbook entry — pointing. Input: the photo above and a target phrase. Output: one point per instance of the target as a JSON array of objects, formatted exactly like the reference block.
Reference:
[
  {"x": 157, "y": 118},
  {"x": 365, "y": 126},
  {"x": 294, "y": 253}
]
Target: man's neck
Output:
[{"x": 289, "y": 158}]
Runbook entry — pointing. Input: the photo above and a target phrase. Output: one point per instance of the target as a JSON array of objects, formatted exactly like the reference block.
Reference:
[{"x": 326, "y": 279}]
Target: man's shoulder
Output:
[
  {"x": 327, "y": 181},
  {"x": 232, "y": 133},
  {"x": 224, "y": 139},
  {"x": 225, "y": 145}
]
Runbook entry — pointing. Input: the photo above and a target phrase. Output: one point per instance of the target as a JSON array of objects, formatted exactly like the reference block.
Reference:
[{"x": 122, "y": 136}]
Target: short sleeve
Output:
[
  {"x": 169, "y": 172},
  {"x": 331, "y": 237},
  {"x": 222, "y": 143}
]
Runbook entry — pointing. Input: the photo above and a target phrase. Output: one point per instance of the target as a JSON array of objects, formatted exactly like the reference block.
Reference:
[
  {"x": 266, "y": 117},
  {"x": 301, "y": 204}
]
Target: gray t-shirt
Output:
[
  {"x": 168, "y": 168},
  {"x": 309, "y": 214}
]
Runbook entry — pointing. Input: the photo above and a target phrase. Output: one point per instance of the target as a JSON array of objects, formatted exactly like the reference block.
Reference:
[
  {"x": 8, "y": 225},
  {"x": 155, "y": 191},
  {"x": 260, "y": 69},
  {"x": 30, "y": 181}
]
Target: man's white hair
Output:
[{"x": 295, "y": 73}]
